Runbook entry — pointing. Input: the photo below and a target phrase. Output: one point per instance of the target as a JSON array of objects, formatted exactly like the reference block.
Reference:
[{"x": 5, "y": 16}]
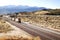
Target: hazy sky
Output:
[{"x": 39, "y": 3}]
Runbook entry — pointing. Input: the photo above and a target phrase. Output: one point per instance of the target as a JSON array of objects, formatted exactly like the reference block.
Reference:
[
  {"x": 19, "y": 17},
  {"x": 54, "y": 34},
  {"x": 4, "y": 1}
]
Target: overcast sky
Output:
[{"x": 39, "y": 3}]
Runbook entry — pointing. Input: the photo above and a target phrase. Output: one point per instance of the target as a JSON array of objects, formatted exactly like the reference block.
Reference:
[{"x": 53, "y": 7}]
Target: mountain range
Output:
[{"x": 20, "y": 8}]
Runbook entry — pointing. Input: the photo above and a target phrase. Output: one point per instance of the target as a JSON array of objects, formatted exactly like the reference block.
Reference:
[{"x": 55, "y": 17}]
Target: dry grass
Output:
[
  {"x": 49, "y": 21},
  {"x": 4, "y": 27}
]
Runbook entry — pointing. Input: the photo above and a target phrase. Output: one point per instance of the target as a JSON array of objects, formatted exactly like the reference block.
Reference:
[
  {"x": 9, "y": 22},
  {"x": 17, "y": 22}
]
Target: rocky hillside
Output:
[{"x": 44, "y": 12}]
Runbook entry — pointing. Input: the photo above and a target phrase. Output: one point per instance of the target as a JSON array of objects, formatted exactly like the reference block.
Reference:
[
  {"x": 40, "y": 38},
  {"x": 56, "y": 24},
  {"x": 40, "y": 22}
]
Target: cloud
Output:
[{"x": 39, "y": 3}]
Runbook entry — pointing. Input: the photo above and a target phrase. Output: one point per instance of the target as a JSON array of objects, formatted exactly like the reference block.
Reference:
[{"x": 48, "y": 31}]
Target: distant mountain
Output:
[{"x": 20, "y": 8}]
